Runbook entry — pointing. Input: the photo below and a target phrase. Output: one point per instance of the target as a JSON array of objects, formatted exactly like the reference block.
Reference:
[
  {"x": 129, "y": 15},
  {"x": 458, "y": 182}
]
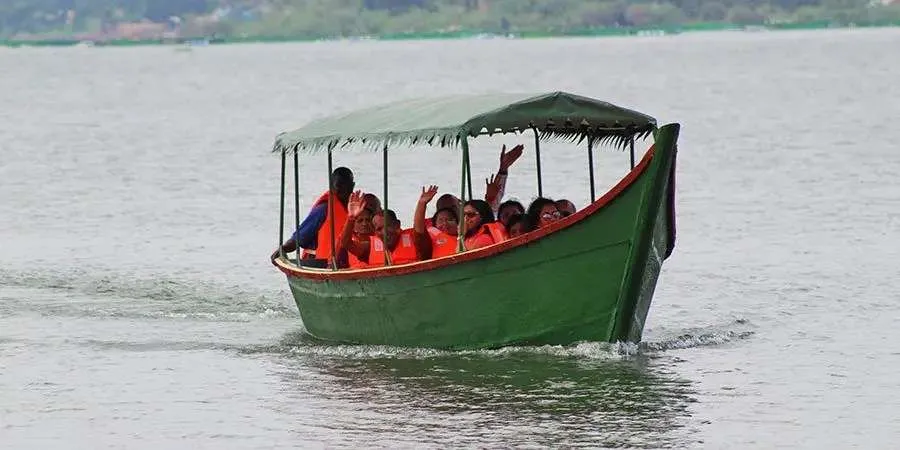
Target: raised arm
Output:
[
  {"x": 496, "y": 185},
  {"x": 424, "y": 199},
  {"x": 422, "y": 240},
  {"x": 354, "y": 208}
]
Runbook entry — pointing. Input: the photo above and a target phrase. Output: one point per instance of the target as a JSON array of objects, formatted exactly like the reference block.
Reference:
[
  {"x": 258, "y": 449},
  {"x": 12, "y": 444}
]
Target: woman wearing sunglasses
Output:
[
  {"x": 541, "y": 212},
  {"x": 481, "y": 230}
]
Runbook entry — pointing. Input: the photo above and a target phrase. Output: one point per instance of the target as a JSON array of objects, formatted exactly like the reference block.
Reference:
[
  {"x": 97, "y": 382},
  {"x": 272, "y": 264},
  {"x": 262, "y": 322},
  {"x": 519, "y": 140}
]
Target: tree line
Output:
[{"x": 328, "y": 18}]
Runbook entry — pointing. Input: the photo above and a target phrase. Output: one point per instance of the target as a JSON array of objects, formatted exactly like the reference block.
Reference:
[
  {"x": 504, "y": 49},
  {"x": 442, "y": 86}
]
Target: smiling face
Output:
[
  {"x": 393, "y": 230},
  {"x": 363, "y": 224},
  {"x": 446, "y": 221},
  {"x": 472, "y": 219}
]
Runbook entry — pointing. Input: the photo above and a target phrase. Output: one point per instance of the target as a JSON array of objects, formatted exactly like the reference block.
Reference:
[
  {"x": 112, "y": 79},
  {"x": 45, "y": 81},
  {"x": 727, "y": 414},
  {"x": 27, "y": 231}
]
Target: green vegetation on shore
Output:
[{"x": 151, "y": 20}]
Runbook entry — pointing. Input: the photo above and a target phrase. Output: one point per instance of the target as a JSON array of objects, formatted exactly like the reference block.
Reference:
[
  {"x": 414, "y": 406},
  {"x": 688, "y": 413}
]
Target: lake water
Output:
[{"x": 138, "y": 207}]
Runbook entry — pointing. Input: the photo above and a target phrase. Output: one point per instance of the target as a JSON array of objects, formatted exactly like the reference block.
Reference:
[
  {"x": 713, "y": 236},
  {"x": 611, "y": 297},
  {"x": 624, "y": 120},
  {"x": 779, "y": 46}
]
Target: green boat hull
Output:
[{"x": 591, "y": 280}]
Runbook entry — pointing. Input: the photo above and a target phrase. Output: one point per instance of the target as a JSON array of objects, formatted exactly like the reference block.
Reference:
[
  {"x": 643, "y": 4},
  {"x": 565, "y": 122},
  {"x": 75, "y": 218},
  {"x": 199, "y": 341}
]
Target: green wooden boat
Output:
[{"x": 589, "y": 277}]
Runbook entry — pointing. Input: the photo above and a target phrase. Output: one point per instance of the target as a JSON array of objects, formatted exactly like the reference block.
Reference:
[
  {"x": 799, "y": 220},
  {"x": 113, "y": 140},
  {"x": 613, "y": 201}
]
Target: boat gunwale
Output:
[{"x": 321, "y": 275}]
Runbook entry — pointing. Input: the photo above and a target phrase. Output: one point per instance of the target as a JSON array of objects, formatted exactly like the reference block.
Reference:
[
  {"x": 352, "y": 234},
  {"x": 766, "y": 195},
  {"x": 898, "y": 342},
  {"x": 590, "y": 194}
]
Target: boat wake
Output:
[
  {"x": 298, "y": 343},
  {"x": 75, "y": 293}
]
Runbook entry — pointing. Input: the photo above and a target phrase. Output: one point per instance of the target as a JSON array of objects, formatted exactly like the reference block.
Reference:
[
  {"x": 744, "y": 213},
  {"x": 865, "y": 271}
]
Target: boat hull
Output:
[{"x": 590, "y": 280}]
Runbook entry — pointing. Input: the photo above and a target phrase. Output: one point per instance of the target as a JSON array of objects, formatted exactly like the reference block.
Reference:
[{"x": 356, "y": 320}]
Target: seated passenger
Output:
[
  {"x": 399, "y": 243},
  {"x": 313, "y": 239},
  {"x": 480, "y": 228},
  {"x": 516, "y": 225},
  {"x": 541, "y": 212},
  {"x": 363, "y": 228},
  {"x": 446, "y": 201},
  {"x": 439, "y": 238},
  {"x": 565, "y": 207},
  {"x": 508, "y": 209}
]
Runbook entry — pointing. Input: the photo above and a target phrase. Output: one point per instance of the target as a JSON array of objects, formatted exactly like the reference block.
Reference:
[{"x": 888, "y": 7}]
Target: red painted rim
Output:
[{"x": 432, "y": 264}]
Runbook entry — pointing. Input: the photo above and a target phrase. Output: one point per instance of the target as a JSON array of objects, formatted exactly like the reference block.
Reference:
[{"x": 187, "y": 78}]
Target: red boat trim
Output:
[{"x": 380, "y": 272}]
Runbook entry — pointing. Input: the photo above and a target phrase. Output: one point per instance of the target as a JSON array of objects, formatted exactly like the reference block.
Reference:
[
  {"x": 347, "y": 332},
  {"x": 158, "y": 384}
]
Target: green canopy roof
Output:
[{"x": 445, "y": 121}]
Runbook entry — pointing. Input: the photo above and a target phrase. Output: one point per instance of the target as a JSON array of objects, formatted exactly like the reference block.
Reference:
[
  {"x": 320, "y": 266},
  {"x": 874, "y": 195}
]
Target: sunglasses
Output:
[{"x": 553, "y": 215}]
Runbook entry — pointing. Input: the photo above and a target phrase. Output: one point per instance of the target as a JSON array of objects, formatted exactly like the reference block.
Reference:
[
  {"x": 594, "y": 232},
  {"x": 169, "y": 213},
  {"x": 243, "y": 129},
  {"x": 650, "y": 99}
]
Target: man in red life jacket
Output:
[
  {"x": 389, "y": 245},
  {"x": 314, "y": 233}
]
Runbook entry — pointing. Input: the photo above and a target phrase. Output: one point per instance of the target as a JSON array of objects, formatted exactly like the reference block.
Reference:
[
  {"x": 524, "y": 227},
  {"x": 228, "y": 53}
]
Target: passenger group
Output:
[{"x": 369, "y": 236}]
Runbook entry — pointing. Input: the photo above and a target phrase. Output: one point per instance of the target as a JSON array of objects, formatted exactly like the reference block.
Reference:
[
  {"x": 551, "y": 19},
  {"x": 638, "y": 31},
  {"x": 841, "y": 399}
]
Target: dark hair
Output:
[
  {"x": 446, "y": 196},
  {"x": 371, "y": 201},
  {"x": 484, "y": 210},
  {"x": 390, "y": 217},
  {"x": 342, "y": 183},
  {"x": 342, "y": 174},
  {"x": 509, "y": 203},
  {"x": 452, "y": 212},
  {"x": 514, "y": 220},
  {"x": 533, "y": 216}
]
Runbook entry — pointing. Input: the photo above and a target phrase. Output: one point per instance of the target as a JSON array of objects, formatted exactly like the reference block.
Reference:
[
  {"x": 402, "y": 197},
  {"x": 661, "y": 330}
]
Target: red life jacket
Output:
[
  {"x": 353, "y": 261},
  {"x": 496, "y": 230},
  {"x": 404, "y": 253},
  {"x": 488, "y": 234},
  {"x": 339, "y": 217},
  {"x": 442, "y": 244}
]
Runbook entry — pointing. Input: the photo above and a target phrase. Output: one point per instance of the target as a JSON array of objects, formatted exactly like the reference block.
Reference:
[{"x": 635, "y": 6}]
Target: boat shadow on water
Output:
[{"x": 587, "y": 394}]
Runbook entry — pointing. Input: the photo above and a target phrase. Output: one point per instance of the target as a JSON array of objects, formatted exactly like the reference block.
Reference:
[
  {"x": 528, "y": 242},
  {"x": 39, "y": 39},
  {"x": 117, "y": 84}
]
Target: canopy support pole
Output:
[
  {"x": 591, "y": 167},
  {"x": 297, "y": 198},
  {"x": 469, "y": 174},
  {"x": 387, "y": 252},
  {"x": 331, "y": 198},
  {"x": 461, "y": 234},
  {"x": 631, "y": 146},
  {"x": 537, "y": 156},
  {"x": 281, "y": 207}
]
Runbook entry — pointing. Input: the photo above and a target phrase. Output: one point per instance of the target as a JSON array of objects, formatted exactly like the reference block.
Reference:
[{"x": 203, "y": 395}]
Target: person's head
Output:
[
  {"x": 542, "y": 212},
  {"x": 516, "y": 225},
  {"x": 447, "y": 201},
  {"x": 508, "y": 209},
  {"x": 565, "y": 207},
  {"x": 475, "y": 214},
  {"x": 363, "y": 224},
  {"x": 387, "y": 226},
  {"x": 446, "y": 220},
  {"x": 372, "y": 202},
  {"x": 342, "y": 183}
]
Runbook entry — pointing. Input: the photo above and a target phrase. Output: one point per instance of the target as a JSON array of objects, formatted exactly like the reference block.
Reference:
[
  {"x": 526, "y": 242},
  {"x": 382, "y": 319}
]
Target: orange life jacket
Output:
[
  {"x": 497, "y": 231},
  {"x": 488, "y": 234},
  {"x": 353, "y": 261},
  {"x": 339, "y": 217},
  {"x": 404, "y": 253},
  {"x": 442, "y": 244}
]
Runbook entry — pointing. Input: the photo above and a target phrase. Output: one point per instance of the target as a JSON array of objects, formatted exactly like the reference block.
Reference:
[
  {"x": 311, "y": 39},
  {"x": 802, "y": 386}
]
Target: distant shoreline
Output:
[{"x": 437, "y": 35}]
